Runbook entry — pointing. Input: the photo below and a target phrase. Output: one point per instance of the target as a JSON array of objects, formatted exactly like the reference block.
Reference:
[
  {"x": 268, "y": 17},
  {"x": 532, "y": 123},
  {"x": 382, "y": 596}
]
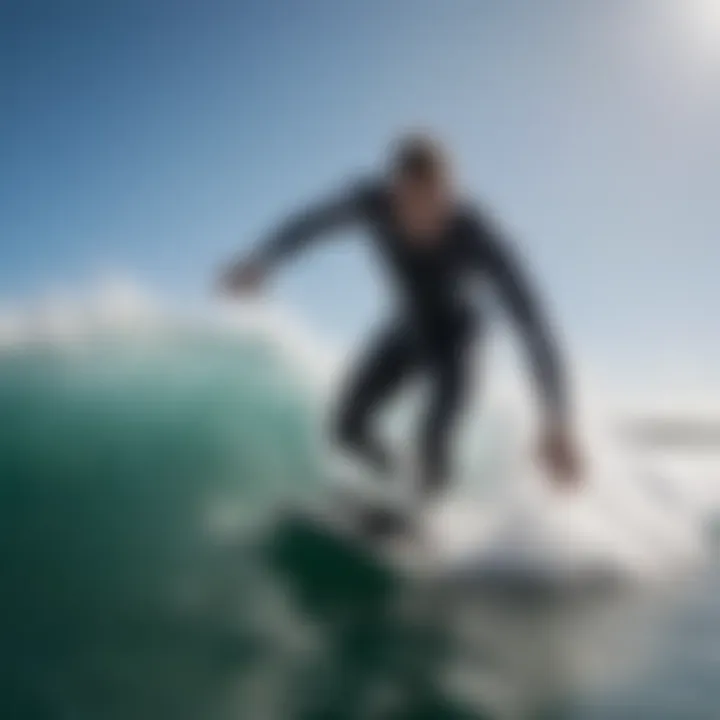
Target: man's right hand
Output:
[{"x": 243, "y": 278}]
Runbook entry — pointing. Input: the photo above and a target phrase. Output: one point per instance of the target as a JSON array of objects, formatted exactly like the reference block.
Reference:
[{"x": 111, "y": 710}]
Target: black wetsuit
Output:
[{"x": 436, "y": 322}]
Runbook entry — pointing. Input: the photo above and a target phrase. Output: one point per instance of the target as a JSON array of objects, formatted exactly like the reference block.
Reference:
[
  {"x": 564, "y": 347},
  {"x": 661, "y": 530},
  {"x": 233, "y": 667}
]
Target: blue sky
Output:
[{"x": 155, "y": 137}]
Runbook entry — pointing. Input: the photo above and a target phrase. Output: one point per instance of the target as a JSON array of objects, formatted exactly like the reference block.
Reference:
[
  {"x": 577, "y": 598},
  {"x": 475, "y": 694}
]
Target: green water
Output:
[{"x": 139, "y": 578}]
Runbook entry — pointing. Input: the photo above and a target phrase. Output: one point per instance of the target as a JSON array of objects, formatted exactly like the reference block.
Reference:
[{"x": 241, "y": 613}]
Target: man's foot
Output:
[{"x": 382, "y": 523}]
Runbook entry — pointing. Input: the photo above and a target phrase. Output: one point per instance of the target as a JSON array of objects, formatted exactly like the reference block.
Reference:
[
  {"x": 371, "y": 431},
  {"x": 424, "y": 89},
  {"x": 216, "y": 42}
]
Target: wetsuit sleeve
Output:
[
  {"x": 299, "y": 230},
  {"x": 513, "y": 283}
]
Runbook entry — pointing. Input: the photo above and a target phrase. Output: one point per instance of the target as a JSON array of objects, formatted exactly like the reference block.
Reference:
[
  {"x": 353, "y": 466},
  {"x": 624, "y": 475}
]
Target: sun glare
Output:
[{"x": 700, "y": 20}]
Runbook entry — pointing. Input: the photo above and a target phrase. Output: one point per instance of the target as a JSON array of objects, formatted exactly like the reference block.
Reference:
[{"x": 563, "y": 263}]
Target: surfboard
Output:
[{"x": 454, "y": 544}]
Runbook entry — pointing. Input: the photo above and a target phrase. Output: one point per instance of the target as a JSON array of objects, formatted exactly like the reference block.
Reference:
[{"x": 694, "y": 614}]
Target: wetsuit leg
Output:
[
  {"x": 449, "y": 370},
  {"x": 391, "y": 359}
]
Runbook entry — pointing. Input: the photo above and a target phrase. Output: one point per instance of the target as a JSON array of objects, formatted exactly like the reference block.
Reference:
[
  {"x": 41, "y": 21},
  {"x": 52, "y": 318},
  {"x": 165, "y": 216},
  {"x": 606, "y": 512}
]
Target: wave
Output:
[
  {"x": 140, "y": 445},
  {"x": 242, "y": 393}
]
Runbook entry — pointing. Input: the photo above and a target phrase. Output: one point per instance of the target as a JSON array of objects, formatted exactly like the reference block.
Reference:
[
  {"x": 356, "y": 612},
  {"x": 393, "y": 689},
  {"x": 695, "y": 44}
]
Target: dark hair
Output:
[{"x": 418, "y": 156}]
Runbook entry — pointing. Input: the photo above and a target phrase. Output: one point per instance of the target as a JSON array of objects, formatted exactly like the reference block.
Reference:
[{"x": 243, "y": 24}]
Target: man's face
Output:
[{"x": 423, "y": 205}]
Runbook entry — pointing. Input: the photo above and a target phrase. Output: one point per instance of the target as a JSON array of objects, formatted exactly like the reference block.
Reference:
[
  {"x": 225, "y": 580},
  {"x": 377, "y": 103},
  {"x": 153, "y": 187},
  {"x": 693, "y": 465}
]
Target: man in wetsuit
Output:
[{"x": 433, "y": 245}]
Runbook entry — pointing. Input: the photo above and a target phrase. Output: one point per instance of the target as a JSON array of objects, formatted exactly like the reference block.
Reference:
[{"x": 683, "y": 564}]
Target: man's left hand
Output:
[{"x": 560, "y": 455}]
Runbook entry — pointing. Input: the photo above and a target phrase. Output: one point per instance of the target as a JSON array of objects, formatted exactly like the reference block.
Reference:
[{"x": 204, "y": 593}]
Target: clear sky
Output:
[{"x": 154, "y": 137}]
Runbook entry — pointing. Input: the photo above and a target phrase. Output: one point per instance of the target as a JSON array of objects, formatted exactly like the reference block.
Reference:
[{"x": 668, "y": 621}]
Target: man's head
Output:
[{"x": 422, "y": 184}]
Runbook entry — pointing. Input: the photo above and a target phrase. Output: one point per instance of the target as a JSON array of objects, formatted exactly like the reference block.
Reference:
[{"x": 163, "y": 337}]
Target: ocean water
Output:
[{"x": 144, "y": 574}]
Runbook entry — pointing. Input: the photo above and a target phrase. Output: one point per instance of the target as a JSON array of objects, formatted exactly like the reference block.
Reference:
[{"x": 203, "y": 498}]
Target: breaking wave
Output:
[{"x": 137, "y": 445}]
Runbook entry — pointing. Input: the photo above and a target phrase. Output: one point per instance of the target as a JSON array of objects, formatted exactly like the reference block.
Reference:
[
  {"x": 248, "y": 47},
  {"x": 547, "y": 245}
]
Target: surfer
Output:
[{"x": 433, "y": 244}]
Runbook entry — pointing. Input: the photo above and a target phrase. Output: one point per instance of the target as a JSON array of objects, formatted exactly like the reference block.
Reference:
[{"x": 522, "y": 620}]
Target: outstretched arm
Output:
[
  {"x": 515, "y": 289},
  {"x": 292, "y": 236},
  {"x": 513, "y": 283}
]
